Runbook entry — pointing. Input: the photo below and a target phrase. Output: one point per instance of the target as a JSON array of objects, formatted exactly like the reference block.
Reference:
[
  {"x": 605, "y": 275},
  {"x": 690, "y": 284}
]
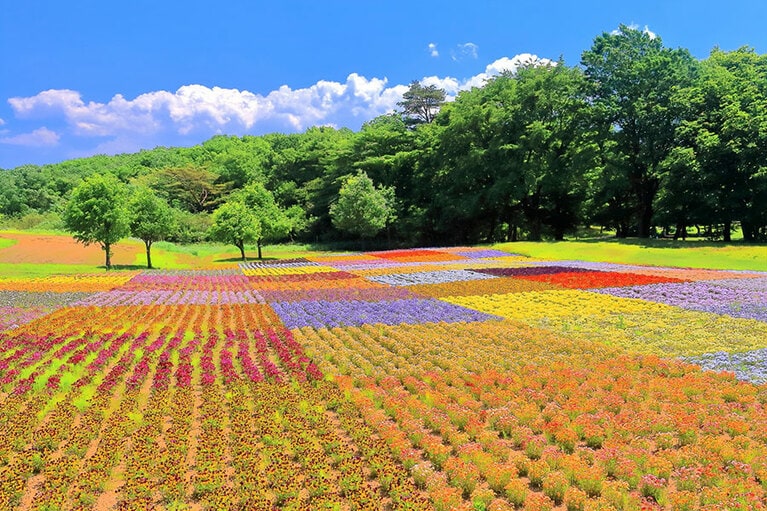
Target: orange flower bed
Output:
[{"x": 493, "y": 286}]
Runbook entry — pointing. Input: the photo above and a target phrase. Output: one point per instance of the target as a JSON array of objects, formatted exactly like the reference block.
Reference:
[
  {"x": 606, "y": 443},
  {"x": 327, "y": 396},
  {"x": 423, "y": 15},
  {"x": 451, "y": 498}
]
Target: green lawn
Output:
[{"x": 689, "y": 254}]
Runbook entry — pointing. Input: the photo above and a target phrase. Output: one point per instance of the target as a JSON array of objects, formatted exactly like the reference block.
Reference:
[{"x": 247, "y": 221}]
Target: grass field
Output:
[
  {"x": 436, "y": 379},
  {"x": 692, "y": 254}
]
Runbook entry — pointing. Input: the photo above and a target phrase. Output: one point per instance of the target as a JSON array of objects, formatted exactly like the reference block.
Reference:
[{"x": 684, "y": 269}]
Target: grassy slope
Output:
[{"x": 692, "y": 254}]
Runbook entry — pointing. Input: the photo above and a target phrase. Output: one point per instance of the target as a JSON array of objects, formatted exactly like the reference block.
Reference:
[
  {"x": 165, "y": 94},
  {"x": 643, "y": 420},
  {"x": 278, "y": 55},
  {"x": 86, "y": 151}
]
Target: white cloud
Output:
[
  {"x": 41, "y": 137},
  {"x": 505, "y": 64},
  {"x": 433, "y": 50},
  {"x": 199, "y": 108},
  {"x": 470, "y": 49},
  {"x": 194, "y": 112},
  {"x": 2, "y": 122}
]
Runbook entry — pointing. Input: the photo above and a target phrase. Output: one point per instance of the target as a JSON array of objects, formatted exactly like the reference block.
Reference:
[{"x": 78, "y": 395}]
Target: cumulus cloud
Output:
[
  {"x": 1, "y": 121},
  {"x": 506, "y": 65},
  {"x": 41, "y": 137},
  {"x": 195, "y": 108},
  {"x": 465, "y": 50},
  {"x": 195, "y": 112},
  {"x": 433, "y": 50}
]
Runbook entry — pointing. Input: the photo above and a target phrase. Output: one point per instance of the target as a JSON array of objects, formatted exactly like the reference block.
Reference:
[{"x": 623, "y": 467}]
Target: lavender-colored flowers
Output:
[
  {"x": 429, "y": 277},
  {"x": 319, "y": 314},
  {"x": 483, "y": 254},
  {"x": 701, "y": 296},
  {"x": 749, "y": 366},
  {"x": 339, "y": 294},
  {"x": 169, "y": 297}
]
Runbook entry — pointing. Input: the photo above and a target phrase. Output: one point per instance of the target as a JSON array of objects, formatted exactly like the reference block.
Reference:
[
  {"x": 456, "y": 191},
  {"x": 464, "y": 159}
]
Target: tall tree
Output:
[
  {"x": 420, "y": 104},
  {"x": 274, "y": 222},
  {"x": 362, "y": 209},
  {"x": 725, "y": 129},
  {"x": 151, "y": 219},
  {"x": 235, "y": 224},
  {"x": 634, "y": 78},
  {"x": 96, "y": 213}
]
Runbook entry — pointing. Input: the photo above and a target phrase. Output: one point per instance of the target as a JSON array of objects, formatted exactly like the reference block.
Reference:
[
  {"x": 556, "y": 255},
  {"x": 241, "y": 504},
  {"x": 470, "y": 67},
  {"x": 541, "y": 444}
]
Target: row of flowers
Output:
[{"x": 565, "y": 423}]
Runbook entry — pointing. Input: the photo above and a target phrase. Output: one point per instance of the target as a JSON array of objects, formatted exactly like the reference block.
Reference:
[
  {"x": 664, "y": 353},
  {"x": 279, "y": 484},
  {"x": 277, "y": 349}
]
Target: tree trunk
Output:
[
  {"x": 148, "y": 254},
  {"x": 108, "y": 253},
  {"x": 241, "y": 246},
  {"x": 258, "y": 244},
  {"x": 728, "y": 231}
]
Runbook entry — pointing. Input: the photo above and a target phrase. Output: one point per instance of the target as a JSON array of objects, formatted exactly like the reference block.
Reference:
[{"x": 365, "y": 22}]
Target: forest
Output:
[{"x": 638, "y": 138}]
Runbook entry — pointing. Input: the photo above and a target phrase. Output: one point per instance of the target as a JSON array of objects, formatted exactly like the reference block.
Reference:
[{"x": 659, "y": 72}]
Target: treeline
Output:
[{"x": 638, "y": 137}]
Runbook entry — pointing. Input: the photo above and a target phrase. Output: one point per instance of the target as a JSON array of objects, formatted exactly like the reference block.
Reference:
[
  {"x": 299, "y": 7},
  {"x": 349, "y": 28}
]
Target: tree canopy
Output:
[
  {"x": 96, "y": 213},
  {"x": 362, "y": 209},
  {"x": 151, "y": 219},
  {"x": 235, "y": 224}
]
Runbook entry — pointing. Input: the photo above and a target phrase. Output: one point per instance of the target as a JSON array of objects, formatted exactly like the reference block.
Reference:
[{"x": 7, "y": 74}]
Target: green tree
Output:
[
  {"x": 420, "y": 104},
  {"x": 191, "y": 187},
  {"x": 633, "y": 79},
  {"x": 725, "y": 130},
  {"x": 235, "y": 224},
  {"x": 96, "y": 213},
  {"x": 362, "y": 209},
  {"x": 274, "y": 222},
  {"x": 151, "y": 219}
]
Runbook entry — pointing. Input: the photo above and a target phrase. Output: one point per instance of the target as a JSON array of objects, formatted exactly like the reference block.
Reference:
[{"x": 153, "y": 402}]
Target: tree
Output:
[
  {"x": 190, "y": 187},
  {"x": 151, "y": 219},
  {"x": 634, "y": 78},
  {"x": 235, "y": 224},
  {"x": 362, "y": 209},
  {"x": 96, "y": 213},
  {"x": 421, "y": 104},
  {"x": 724, "y": 128},
  {"x": 274, "y": 223}
]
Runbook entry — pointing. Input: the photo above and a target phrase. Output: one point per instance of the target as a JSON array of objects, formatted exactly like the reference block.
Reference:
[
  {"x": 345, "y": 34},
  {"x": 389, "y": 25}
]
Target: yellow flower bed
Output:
[
  {"x": 277, "y": 270},
  {"x": 633, "y": 324}
]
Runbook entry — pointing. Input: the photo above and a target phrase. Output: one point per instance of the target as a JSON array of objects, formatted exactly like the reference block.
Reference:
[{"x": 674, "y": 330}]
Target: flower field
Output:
[{"x": 431, "y": 379}]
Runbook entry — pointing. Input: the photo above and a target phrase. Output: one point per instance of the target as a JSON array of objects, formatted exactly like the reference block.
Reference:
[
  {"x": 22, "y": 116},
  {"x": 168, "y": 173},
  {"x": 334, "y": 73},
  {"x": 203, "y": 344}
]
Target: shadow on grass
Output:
[
  {"x": 248, "y": 260},
  {"x": 668, "y": 243},
  {"x": 126, "y": 267}
]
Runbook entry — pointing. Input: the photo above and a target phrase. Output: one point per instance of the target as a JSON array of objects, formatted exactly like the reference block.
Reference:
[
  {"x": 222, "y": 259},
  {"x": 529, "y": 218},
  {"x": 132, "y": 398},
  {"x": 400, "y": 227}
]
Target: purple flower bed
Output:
[
  {"x": 148, "y": 275},
  {"x": 320, "y": 314},
  {"x": 483, "y": 254},
  {"x": 429, "y": 277},
  {"x": 48, "y": 299},
  {"x": 12, "y": 317},
  {"x": 283, "y": 263},
  {"x": 701, "y": 296},
  {"x": 757, "y": 285},
  {"x": 367, "y": 294},
  {"x": 528, "y": 271},
  {"x": 189, "y": 297},
  {"x": 359, "y": 264},
  {"x": 749, "y": 365}
]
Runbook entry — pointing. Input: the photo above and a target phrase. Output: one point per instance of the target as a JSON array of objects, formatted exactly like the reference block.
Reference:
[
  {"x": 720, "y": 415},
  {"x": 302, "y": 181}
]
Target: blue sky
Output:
[{"x": 79, "y": 78}]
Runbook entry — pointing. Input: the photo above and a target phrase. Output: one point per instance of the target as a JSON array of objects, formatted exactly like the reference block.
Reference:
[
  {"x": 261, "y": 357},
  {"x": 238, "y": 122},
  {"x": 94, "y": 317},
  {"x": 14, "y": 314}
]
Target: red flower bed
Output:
[{"x": 592, "y": 279}]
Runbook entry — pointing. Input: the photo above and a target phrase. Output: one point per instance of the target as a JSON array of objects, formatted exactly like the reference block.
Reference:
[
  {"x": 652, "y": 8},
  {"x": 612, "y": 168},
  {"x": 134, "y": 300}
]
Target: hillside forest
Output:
[{"x": 638, "y": 137}]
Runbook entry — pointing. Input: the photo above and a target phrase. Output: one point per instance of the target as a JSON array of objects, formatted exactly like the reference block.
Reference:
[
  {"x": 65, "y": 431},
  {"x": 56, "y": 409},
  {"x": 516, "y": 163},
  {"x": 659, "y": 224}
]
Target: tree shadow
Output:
[
  {"x": 691, "y": 242},
  {"x": 121, "y": 267}
]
